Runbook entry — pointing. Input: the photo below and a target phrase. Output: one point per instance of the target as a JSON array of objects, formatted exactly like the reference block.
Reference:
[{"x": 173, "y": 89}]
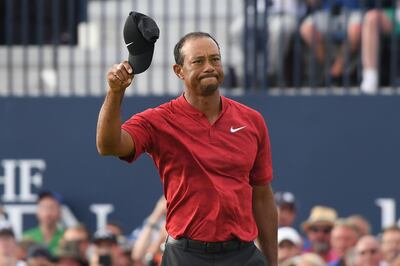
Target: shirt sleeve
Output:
[
  {"x": 141, "y": 132},
  {"x": 261, "y": 173}
]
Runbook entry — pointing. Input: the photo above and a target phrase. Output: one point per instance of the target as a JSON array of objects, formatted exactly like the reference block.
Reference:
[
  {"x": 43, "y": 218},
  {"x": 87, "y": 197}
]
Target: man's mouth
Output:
[{"x": 209, "y": 76}]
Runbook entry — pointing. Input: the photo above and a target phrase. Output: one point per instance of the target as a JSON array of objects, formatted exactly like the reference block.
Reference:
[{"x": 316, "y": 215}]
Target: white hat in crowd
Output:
[{"x": 290, "y": 234}]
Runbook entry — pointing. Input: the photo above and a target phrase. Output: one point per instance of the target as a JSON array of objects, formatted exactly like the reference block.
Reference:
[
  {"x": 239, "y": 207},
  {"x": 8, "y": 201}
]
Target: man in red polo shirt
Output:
[{"x": 213, "y": 156}]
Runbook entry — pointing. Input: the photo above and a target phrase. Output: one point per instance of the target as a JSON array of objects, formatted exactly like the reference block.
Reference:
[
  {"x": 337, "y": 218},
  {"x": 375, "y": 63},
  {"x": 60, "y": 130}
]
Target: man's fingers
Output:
[
  {"x": 119, "y": 77},
  {"x": 127, "y": 67},
  {"x": 123, "y": 71}
]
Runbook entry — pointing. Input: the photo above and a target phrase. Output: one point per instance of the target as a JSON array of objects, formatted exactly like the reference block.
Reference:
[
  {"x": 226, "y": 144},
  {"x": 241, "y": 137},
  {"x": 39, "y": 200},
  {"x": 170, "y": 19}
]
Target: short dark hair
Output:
[{"x": 192, "y": 35}]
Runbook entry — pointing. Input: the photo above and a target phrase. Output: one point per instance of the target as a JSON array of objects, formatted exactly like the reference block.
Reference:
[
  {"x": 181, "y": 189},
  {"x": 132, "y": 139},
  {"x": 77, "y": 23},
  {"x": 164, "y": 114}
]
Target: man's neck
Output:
[
  {"x": 209, "y": 105},
  {"x": 48, "y": 232}
]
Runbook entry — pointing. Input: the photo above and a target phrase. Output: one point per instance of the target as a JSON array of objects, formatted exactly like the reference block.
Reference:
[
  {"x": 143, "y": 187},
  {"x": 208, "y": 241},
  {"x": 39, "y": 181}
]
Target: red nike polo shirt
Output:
[{"x": 207, "y": 170}]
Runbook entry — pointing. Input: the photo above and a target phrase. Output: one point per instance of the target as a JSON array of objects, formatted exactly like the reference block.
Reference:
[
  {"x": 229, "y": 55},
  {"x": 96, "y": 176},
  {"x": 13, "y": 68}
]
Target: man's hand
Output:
[
  {"x": 110, "y": 139},
  {"x": 119, "y": 77}
]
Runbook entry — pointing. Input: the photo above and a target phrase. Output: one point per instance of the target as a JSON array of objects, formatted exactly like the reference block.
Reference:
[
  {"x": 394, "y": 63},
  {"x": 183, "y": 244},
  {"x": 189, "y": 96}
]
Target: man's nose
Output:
[{"x": 208, "y": 66}]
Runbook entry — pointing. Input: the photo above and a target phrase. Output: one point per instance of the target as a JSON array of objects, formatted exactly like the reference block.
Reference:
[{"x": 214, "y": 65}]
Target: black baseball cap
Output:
[{"x": 140, "y": 34}]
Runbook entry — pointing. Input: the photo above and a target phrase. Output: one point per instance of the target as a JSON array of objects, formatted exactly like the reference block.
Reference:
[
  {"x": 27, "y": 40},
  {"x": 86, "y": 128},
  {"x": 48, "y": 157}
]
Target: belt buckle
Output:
[{"x": 213, "y": 247}]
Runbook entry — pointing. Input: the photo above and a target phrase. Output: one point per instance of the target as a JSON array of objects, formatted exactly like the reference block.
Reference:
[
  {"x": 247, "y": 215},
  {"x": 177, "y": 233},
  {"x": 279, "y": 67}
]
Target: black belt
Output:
[{"x": 209, "y": 247}]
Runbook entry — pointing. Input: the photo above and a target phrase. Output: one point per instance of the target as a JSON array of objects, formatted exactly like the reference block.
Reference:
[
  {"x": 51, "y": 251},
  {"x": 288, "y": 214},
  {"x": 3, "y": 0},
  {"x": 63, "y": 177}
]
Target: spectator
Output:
[
  {"x": 8, "y": 246},
  {"x": 390, "y": 245},
  {"x": 123, "y": 245},
  {"x": 151, "y": 235},
  {"x": 361, "y": 223},
  {"x": 377, "y": 22},
  {"x": 23, "y": 247},
  {"x": 106, "y": 250},
  {"x": 318, "y": 229},
  {"x": 68, "y": 254},
  {"x": 39, "y": 255},
  {"x": 368, "y": 252},
  {"x": 81, "y": 236},
  {"x": 311, "y": 259},
  {"x": 344, "y": 237},
  {"x": 290, "y": 244},
  {"x": 282, "y": 20},
  {"x": 286, "y": 208},
  {"x": 115, "y": 228},
  {"x": 48, "y": 213},
  {"x": 336, "y": 20},
  {"x": 104, "y": 244}
]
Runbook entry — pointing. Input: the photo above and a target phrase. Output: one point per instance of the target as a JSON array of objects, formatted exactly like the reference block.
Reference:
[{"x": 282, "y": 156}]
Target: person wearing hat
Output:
[
  {"x": 106, "y": 250},
  {"x": 212, "y": 153},
  {"x": 39, "y": 255},
  {"x": 290, "y": 244},
  {"x": 286, "y": 208},
  {"x": 68, "y": 254},
  {"x": 318, "y": 229},
  {"x": 8, "y": 246},
  {"x": 80, "y": 235},
  {"x": 48, "y": 214}
]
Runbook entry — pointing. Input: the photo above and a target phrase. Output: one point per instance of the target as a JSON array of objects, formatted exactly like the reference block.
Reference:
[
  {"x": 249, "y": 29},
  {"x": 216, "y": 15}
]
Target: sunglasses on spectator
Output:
[
  {"x": 316, "y": 229},
  {"x": 371, "y": 251}
]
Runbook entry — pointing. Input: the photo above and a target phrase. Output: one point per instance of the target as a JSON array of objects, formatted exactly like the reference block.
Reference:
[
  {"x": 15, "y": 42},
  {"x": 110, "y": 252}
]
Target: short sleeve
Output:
[
  {"x": 141, "y": 132},
  {"x": 261, "y": 173}
]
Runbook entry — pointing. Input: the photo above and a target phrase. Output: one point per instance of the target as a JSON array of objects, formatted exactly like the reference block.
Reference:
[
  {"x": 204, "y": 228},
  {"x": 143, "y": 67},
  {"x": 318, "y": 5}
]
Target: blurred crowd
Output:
[
  {"x": 323, "y": 239},
  {"x": 51, "y": 244},
  {"x": 336, "y": 36}
]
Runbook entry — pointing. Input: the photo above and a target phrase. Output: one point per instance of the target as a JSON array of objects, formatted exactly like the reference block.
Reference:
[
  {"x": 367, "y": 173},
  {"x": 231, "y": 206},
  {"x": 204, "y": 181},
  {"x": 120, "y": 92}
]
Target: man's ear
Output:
[{"x": 178, "y": 71}]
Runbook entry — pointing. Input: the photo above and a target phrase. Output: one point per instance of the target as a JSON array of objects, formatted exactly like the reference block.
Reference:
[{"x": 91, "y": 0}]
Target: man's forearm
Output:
[
  {"x": 266, "y": 216},
  {"x": 109, "y": 123}
]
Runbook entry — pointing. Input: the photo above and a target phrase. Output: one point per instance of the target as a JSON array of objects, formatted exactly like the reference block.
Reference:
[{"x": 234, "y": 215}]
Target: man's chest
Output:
[{"x": 229, "y": 145}]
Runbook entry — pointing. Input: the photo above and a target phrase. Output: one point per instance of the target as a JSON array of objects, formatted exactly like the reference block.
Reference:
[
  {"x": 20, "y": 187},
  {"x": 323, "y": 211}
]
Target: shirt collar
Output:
[{"x": 188, "y": 108}]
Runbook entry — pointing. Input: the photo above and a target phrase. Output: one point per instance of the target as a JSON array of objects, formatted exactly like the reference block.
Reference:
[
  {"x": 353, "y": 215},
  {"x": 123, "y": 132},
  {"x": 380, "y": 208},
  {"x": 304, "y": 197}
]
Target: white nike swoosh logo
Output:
[
  {"x": 129, "y": 44},
  {"x": 233, "y": 130}
]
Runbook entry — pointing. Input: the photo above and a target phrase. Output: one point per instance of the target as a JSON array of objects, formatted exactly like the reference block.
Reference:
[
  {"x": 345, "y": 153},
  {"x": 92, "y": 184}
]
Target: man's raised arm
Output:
[{"x": 110, "y": 139}]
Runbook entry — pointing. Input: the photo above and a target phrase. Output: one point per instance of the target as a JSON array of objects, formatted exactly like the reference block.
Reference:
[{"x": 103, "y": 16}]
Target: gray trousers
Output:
[{"x": 179, "y": 256}]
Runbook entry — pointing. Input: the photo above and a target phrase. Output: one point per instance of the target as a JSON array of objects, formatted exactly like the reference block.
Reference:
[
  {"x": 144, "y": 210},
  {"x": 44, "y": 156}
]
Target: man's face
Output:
[
  {"x": 202, "y": 68},
  {"x": 319, "y": 235},
  {"x": 79, "y": 236},
  {"x": 105, "y": 247},
  {"x": 48, "y": 211},
  {"x": 390, "y": 245},
  {"x": 7, "y": 246},
  {"x": 367, "y": 252},
  {"x": 286, "y": 215},
  {"x": 287, "y": 249},
  {"x": 342, "y": 240}
]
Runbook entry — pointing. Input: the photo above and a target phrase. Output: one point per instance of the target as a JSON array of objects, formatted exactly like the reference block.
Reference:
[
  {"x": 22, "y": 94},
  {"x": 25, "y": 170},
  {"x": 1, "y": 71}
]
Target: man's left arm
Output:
[{"x": 266, "y": 216}]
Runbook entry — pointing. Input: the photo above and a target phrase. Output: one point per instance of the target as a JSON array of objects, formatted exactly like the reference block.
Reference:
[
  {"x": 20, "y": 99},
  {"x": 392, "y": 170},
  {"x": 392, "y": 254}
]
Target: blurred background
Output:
[{"x": 324, "y": 73}]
